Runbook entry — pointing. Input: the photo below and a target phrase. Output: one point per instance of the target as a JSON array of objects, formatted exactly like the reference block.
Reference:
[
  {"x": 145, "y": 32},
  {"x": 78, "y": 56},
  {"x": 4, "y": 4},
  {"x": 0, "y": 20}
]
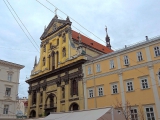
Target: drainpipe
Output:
[{"x": 94, "y": 86}]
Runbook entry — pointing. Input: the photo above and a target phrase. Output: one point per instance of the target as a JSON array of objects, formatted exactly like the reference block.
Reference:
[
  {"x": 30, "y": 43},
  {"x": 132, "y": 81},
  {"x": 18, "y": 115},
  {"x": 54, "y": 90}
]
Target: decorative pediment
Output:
[{"x": 55, "y": 25}]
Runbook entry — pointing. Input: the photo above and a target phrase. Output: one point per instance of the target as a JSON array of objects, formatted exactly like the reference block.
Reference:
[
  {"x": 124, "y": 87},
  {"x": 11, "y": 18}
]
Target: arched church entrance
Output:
[
  {"x": 50, "y": 104},
  {"x": 32, "y": 114},
  {"x": 74, "y": 106}
]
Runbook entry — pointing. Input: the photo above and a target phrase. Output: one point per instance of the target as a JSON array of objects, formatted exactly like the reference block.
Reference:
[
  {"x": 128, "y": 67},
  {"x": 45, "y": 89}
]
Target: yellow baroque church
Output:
[{"x": 56, "y": 81}]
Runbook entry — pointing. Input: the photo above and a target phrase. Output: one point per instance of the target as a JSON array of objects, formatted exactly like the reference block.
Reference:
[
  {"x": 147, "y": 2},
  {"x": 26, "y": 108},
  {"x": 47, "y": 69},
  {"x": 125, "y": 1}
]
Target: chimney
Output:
[{"x": 147, "y": 38}]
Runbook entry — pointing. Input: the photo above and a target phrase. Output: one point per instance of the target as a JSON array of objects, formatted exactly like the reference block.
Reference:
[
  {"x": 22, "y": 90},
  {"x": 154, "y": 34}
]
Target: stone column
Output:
[
  {"x": 67, "y": 91},
  {"x": 58, "y": 93},
  {"x": 37, "y": 103},
  {"x": 43, "y": 102},
  {"x": 80, "y": 93},
  {"x": 29, "y": 103}
]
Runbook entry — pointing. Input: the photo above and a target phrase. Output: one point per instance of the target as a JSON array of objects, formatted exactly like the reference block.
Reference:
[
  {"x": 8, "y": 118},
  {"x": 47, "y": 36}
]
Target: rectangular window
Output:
[
  {"x": 100, "y": 91},
  {"x": 8, "y": 91},
  {"x": 157, "y": 51},
  {"x": 98, "y": 67},
  {"x": 5, "y": 109},
  {"x": 129, "y": 85},
  {"x": 139, "y": 56},
  {"x": 9, "y": 76},
  {"x": 126, "y": 60},
  {"x": 91, "y": 94},
  {"x": 89, "y": 70},
  {"x": 114, "y": 88},
  {"x": 112, "y": 64},
  {"x": 134, "y": 114},
  {"x": 150, "y": 113},
  {"x": 144, "y": 83}
]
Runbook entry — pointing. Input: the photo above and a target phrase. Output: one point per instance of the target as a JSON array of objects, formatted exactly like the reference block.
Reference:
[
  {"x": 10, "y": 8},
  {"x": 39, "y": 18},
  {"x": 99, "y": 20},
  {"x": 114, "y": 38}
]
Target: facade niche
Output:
[
  {"x": 64, "y": 52},
  {"x": 64, "y": 37},
  {"x": 44, "y": 61}
]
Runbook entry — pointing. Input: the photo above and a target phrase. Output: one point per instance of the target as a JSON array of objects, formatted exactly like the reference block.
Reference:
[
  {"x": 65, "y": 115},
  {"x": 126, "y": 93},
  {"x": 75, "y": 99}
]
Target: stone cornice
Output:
[
  {"x": 11, "y": 64},
  {"x": 120, "y": 71},
  {"x": 126, "y": 50},
  {"x": 11, "y": 82}
]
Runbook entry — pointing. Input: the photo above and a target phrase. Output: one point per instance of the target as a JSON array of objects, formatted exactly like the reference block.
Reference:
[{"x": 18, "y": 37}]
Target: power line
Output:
[
  {"x": 76, "y": 22},
  {"x": 17, "y": 49},
  {"x": 61, "y": 17},
  {"x": 19, "y": 24},
  {"x": 22, "y": 23}
]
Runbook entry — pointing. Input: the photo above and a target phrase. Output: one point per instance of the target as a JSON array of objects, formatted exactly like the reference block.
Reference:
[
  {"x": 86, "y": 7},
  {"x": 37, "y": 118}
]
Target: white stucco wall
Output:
[{"x": 14, "y": 69}]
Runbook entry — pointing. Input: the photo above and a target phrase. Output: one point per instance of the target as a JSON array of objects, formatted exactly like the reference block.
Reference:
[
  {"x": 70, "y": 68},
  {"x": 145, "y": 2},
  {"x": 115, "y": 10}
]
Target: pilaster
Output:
[
  {"x": 43, "y": 104},
  {"x": 37, "y": 104},
  {"x": 47, "y": 58},
  {"x": 80, "y": 93},
  {"x": 155, "y": 90},
  {"x": 121, "y": 87},
  {"x": 60, "y": 48},
  {"x": 66, "y": 96},
  {"x": 55, "y": 58},
  {"x": 29, "y": 104},
  {"x": 58, "y": 98},
  {"x": 85, "y": 95}
]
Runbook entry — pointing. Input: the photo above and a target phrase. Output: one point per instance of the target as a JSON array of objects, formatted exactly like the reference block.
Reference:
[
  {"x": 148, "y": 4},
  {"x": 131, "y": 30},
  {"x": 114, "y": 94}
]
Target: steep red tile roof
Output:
[{"x": 91, "y": 42}]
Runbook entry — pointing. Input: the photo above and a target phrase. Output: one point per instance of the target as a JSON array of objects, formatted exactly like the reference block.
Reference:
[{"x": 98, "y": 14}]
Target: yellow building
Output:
[
  {"x": 131, "y": 74},
  {"x": 55, "y": 84}
]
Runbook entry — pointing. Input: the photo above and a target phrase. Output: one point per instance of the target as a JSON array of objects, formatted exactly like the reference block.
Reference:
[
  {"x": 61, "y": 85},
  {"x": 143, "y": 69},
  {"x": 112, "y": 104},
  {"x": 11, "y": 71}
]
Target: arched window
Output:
[
  {"x": 44, "y": 61},
  {"x": 74, "y": 88},
  {"x": 34, "y": 97},
  {"x": 64, "y": 37},
  {"x": 44, "y": 48},
  {"x": 64, "y": 52}
]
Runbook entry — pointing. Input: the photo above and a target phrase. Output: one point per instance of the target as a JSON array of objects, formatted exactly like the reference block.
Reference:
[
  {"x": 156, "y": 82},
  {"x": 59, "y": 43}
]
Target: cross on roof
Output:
[{"x": 55, "y": 11}]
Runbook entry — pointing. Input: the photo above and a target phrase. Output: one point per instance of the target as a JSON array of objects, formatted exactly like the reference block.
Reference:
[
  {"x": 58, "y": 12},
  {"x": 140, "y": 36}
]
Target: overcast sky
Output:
[{"x": 127, "y": 21}]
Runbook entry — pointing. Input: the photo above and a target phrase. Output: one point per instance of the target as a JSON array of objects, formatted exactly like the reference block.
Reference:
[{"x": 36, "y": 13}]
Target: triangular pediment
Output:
[{"x": 55, "y": 25}]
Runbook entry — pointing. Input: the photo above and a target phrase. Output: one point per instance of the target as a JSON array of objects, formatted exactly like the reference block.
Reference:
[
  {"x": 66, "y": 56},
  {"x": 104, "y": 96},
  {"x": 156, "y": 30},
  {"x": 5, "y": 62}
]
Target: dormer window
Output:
[
  {"x": 44, "y": 61},
  {"x": 64, "y": 52}
]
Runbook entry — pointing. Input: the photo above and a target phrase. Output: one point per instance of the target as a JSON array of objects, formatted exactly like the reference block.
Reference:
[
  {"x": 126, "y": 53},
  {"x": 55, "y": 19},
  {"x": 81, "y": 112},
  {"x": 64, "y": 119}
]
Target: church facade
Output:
[{"x": 55, "y": 83}]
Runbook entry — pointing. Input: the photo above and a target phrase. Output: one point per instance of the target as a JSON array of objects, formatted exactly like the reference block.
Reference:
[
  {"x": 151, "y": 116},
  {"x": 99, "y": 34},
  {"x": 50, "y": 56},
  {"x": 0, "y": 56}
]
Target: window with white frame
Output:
[
  {"x": 98, "y": 67},
  {"x": 9, "y": 76},
  {"x": 150, "y": 113},
  {"x": 139, "y": 56},
  {"x": 144, "y": 83},
  {"x": 5, "y": 109},
  {"x": 100, "y": 91},
  {"x": 129, "y": 85},
  {"x": 8, "y": 91},
  {"x": 89, "y": 70},
  {"x": 112, "y": 64},
  {"x": 114, "y": 88},
  {"x": 134, "y": 114},
  {"x": 157, "y": 51},
  {"x": 90, "y": 93},
  {"x": 126, "y": 60}
]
